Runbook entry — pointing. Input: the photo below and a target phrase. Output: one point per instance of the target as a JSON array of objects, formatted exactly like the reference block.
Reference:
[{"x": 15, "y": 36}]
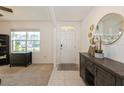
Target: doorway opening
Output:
[{"x": 67, "y": 49}]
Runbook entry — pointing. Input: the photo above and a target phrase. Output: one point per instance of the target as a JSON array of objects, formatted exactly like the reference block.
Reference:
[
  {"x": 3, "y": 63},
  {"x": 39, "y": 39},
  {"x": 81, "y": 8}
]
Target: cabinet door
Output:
[
  {"x": 119, "y": 81},
  {"x": 104, "y": 78},
  {"x": 18, "y": 59},
  {"x": 82, "y": 66}
]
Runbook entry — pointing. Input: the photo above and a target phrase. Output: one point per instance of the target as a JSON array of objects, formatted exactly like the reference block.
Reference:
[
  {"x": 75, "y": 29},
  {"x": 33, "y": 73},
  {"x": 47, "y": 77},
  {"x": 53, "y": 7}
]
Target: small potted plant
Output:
[{"x": 99, "y": 52}]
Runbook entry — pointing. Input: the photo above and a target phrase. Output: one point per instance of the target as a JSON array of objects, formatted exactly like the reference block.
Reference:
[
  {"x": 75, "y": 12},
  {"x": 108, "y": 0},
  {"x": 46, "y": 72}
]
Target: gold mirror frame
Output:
[{"x": 121, "y": 31}]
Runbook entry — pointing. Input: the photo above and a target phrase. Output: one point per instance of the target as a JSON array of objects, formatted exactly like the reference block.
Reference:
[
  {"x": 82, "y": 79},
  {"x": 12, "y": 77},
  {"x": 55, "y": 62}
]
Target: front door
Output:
[{"x": 67, "y": 47}]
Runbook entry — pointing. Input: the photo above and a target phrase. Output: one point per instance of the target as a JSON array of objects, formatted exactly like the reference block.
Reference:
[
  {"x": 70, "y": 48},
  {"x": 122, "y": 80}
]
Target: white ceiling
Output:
[
  {"x": 71, "y": 13},
  {"x": 42, "y": 13}
]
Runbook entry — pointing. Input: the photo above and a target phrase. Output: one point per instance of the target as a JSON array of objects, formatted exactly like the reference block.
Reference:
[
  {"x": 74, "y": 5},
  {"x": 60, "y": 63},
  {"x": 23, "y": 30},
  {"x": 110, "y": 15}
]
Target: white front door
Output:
[{"x": 67, "y": 47}]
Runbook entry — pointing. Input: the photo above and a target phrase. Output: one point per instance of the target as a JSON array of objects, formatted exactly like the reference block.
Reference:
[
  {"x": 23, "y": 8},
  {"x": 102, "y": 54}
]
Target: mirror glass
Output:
[{"x": 110, "y": 28}]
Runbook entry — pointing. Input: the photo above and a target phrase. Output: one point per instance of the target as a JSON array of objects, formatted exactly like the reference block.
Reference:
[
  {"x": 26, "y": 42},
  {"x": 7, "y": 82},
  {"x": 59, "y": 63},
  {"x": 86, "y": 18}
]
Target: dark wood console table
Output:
[
  {"x": 101, "y": 72},
  {"x": 20, "y": 59}
]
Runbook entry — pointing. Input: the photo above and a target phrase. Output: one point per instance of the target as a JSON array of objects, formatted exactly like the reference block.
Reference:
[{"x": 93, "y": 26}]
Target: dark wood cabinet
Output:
[
  {"x": 82, "y": 67},
  {"x": 4, "y": 49},
  {"x": 101, "y": 72},
  {"x": 21, "y": 59}
]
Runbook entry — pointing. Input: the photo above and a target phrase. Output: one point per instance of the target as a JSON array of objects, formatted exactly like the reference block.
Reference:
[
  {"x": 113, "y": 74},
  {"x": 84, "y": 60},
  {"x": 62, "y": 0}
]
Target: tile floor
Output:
[{"x": 65, "y": 78}]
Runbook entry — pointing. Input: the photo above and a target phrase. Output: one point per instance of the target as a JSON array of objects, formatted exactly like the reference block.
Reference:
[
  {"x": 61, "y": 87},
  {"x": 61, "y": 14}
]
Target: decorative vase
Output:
[{"x": 99, "y": 55}]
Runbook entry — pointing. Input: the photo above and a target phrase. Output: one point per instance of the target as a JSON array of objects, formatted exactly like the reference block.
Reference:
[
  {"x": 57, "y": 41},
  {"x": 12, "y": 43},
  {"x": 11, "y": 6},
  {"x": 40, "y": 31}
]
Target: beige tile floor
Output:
[{"x": 65, "y": 78}]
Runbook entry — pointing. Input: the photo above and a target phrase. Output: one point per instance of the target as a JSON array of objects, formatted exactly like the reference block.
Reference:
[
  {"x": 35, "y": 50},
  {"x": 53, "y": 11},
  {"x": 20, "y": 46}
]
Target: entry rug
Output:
[{"x": 68, "y": 67}]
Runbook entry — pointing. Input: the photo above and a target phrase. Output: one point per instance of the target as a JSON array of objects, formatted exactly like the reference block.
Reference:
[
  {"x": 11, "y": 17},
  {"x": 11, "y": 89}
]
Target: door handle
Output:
[{"x": 61, "y": 45}]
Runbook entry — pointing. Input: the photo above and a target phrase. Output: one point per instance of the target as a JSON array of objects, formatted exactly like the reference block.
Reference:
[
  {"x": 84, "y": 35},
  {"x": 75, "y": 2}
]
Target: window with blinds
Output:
[{"x": 23, "y": 41}]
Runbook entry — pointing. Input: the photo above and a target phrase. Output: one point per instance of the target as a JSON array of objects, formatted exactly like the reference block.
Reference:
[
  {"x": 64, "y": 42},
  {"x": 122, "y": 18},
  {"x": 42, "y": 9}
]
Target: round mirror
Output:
[{"x": 110, "y": 28}]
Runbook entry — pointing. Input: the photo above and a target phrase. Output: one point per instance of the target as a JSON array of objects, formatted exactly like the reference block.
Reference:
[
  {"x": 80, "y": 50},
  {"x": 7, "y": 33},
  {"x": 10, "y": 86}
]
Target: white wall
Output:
[
  {"x": 46, "y": 30},
  {"x": 114, "y": 51}
]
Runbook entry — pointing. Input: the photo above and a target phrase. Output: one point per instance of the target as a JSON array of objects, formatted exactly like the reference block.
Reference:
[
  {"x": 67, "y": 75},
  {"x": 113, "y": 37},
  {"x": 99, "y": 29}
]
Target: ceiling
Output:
[
  {"x": 71, "y": 13},
  {"x": 43, "y": 13}
]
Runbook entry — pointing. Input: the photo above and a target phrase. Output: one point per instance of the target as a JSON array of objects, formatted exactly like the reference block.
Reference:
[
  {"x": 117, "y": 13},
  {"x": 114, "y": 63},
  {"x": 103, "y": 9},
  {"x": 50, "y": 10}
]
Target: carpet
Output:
[{"x": 33, "y": 75}]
